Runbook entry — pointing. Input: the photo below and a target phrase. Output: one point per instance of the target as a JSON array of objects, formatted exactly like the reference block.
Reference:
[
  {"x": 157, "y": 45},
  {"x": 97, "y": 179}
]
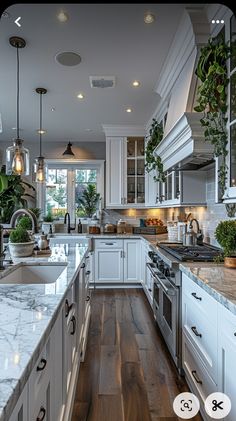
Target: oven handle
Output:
[{"x": 168, "y": 291}]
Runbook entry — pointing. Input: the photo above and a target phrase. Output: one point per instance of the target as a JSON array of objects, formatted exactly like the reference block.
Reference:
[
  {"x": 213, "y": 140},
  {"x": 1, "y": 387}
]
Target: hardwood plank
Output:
[
  {"x": 134, "y": 393},
  {"x": 128, "y": 344},
  {"x": 110, "y": 408},
  {"x": 109, "y": 323},
  {"x": 145, "y": 341},
  {"x": 109, "y": 378}
]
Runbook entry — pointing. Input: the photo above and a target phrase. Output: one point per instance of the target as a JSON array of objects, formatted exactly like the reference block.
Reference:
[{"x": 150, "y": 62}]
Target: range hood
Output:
[{"x": 183, "y": 145}]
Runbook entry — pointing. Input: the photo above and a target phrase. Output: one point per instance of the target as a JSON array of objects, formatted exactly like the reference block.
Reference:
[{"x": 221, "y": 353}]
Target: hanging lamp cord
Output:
[
  {"x": 17, "y": 92},
  {"x": 40, "y": 124}
]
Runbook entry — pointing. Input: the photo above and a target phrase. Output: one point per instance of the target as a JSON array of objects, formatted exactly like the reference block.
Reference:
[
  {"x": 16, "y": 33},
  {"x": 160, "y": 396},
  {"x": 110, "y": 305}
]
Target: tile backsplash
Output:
[{"x": 208, "y": 216}]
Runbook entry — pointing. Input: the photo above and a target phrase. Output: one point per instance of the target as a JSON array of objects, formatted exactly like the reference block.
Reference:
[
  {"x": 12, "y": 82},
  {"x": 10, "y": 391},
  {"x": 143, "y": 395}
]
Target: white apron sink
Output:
[{"x": 34, "y": 274}]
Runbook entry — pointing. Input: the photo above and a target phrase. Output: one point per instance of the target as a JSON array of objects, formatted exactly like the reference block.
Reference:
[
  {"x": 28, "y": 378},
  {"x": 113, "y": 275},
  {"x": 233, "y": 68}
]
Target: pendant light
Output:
[
  {"x": 17, "y": 157},
  {"x": 68, "y": 152},
  {"x": 39, "y": 166}
]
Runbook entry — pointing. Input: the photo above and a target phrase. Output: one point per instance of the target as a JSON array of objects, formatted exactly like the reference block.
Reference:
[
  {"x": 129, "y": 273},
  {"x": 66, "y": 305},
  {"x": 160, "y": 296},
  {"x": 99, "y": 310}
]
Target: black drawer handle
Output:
[
  {"x": 87, "y": 257},
  {"x": 68, "y": 308},
  {"x": 234, "y": 333},
  {"x": 149, "y": 289},
  {"x": 88, "y": 298},
  {"x": 195, "y": 376},
  {"x": 42, "y": 365},
  {"x": 73, "y": 321},
  {"x": 41, "y": 415},
  {"x": 195, "y": 296},
  {"x": 109, "y": 244},
  {"x": 194, "y": 329},
  {"x": 87, "y": 272},
  {"x": 82, "y": 266}
]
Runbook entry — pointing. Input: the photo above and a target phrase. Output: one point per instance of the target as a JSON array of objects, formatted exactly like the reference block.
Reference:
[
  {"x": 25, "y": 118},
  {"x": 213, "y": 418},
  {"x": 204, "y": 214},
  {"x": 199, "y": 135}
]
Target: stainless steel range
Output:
[{"x": 164, "y": 269}]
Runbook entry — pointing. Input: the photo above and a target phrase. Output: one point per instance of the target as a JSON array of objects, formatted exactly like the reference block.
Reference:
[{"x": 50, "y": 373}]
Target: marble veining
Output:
[
  {"x": 217, "y": 280},
  {"x": 27, "y": 314}
]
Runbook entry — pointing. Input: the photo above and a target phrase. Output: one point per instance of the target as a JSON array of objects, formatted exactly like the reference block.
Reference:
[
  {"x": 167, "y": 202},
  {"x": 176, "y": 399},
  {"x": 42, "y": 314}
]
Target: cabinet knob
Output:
[
  {"x": 88, "y": 272},
  {"x": 73, "y": 321},
  {"x": 195, "y": 296},
  {"x": 41, "y": 415},
  {"x": 82, "y": 266},
  {"x": 88, "y": 298},
  {"x": 195, "y": 376},
  {"x": 67, "y": 307},
  {"x": 42, "y": 365}
]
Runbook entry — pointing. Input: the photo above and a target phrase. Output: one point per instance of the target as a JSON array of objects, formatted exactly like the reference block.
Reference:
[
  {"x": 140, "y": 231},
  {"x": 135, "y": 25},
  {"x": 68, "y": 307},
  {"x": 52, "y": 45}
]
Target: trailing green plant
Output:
[
  {"x": 212, "y": 100},
  {"x": 225, "y": 234},
  {"x": 88, "y": 201},
  {"x": 19, "y": 235},
  {"x": 153, "y": 162},
  {"x": 12, "y": 190}
]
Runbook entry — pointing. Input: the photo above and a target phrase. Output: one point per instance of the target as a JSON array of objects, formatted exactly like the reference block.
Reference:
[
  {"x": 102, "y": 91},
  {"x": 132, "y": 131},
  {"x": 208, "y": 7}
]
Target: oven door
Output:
[{"x": 157, "y": 297}]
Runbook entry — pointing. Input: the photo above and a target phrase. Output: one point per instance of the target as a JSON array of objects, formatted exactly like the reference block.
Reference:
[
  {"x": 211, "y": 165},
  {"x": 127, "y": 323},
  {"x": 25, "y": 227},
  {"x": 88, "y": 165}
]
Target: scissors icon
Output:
[{"x": 217, "y": 405}]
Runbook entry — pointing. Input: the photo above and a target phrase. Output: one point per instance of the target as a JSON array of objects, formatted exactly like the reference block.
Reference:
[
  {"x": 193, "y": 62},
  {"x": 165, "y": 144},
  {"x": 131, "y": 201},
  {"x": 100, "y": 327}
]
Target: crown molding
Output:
[{"x": 123, "y": 130}]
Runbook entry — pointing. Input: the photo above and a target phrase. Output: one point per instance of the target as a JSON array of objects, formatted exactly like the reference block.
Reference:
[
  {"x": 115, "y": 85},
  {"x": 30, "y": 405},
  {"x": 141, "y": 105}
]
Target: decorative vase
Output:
[
  {"x": 46, "y": 227},
  {"x": 21, "y": 249},
  {"x": 230, "y": 262}
]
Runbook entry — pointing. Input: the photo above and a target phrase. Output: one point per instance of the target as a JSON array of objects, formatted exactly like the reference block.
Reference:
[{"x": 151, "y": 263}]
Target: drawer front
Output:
[
  {"x": 39, "y": 377},
  {"x": 227, "y": 323},
  {"x": 202, "y": 335},
  {"x": 201, "y": 301},
  {"x": 199, "y": 380},
  {"x": 107, "y": 243}
]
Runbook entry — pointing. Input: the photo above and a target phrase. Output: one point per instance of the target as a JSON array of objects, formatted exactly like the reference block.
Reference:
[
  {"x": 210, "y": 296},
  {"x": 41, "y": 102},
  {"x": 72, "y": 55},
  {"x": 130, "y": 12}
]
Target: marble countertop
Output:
[
  {"x": 27, "y": 314},
  {"x": 216, "y": 280}
]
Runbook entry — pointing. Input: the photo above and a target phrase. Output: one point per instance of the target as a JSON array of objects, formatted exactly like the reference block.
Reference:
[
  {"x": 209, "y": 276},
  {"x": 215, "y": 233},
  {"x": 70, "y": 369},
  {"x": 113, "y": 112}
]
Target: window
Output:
[
  {"x": 66, "y": 182},
  {"x": 232, "y": 119}
]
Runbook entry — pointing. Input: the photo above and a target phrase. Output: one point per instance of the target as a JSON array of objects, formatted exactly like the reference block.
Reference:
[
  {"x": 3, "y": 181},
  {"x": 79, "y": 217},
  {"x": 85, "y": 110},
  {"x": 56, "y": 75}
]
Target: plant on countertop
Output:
[
  {"x": 12, "y": 190},
  {"x": 225, "y": 234},
  {"x": 212, "y": 100},
  {"x": 88, "y": 201},
  {"x": 25, "y": 221},
  {"x": 48, "y": 217},
  {"x": 154, "y": 139},
  {"x": 19, "y": 235}
]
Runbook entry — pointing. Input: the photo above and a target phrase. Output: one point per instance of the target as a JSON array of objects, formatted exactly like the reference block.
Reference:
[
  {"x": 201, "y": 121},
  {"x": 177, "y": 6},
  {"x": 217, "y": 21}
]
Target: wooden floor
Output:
[{"x": 127, "y": 374}]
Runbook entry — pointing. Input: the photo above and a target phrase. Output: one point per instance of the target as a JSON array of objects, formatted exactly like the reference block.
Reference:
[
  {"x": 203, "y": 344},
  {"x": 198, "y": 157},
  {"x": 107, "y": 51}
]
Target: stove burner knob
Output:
[{"x": 161, "y": 266}]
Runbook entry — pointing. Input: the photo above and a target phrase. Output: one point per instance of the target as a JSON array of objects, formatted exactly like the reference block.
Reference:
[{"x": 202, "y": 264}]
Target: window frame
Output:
[{"x": 71, "y": 165}]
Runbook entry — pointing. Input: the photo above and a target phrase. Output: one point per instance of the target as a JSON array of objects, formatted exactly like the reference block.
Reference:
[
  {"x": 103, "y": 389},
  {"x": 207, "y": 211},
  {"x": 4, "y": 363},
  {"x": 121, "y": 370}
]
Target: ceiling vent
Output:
[{"x": 102, "y": 81}]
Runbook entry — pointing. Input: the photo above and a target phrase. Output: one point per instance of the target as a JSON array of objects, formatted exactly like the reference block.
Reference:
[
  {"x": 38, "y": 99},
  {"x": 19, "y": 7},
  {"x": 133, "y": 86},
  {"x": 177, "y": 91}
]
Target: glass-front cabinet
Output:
[{"x": 135, "y": 171}]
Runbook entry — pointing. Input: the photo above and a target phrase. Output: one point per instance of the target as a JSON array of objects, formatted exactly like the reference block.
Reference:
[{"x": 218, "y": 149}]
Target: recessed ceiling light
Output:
[
  {"x": 68, "y": 58},
  {"x": 80, "y": 96},
  {"x": 149, "y": 17},
  {"x": 41, "y": 131},
  {"x": 62, "y": 16},
  {"x": 53, "y": 109},
  {"x": 128, "y": 110},
  {"x": 136, "y": 83}
]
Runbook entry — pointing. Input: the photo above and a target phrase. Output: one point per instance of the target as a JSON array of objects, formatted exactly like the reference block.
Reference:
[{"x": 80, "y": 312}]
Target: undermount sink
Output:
[{"x": 34, "y": 274}]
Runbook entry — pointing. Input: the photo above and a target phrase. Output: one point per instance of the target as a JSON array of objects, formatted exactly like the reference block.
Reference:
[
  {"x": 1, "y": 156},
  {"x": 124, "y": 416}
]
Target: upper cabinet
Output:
[{"x": 125, "y": 167}]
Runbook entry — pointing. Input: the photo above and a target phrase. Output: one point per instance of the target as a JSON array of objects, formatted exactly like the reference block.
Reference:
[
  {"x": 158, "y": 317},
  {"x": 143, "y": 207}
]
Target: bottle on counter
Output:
[{"x": 79, "y": 227}]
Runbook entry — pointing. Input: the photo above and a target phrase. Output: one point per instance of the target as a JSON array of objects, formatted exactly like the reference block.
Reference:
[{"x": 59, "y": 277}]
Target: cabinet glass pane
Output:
[
  {"x": 130, "y": 167},
  {"x": 233, "y": 156},
  {"x": 140, "y": 147},
  {"x": 169, "y": 187},
  {"x": 140, "y": 166},
  {"x": 130, "y": 147},
  {"x": 177, "y": 185},
  {"x": 140, "y": 189},
  {"x": 233, "y": 42},
  {"x": 233, "y": 97},
  {"x": 131, "y": 190}
]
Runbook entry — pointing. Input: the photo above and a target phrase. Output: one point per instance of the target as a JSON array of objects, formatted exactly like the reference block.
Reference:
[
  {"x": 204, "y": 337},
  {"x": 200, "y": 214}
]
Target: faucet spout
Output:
[
  {"x": 27, "y": 212},
  {"x": 197, "y": 223}
]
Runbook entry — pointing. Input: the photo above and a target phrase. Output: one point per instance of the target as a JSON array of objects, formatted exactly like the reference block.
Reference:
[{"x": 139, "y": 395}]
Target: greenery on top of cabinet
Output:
[
  {"x": 212, "y": 100},
  {"x": 154, "y": 162}
]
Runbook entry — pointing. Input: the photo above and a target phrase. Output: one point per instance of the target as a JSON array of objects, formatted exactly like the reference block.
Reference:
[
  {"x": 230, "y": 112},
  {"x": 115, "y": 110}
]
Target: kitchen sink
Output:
[
  {"x": 68, "y": 238},
  {"x": 34, "y": 274}
]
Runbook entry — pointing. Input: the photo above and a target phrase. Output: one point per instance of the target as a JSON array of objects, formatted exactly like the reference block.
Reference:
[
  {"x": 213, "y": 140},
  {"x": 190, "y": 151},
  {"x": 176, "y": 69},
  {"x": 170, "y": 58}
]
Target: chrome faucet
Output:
[
  {"x": 27, "y": 212},
  {"x": 198, "y": 234},
  {"x": 69, "y": 228}
]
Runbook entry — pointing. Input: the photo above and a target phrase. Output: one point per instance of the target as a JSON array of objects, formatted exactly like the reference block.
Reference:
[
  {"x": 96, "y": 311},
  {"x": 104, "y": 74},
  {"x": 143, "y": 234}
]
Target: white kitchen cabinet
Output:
[
  {"x": 151, "y": 189},
  {"x": 57, "y": 399},
  {"x": 117, "y": 260},
  {"x": 227, "y": 357},
  {"x": 125, "y": 172},
  {"x": 20, "y": 412},
  {"x": 132, "y": 259}
]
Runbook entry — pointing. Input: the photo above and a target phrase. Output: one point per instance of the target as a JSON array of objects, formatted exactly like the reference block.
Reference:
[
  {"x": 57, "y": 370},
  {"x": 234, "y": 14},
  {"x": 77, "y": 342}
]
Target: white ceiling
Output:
[{"x": 112, "y": 39}]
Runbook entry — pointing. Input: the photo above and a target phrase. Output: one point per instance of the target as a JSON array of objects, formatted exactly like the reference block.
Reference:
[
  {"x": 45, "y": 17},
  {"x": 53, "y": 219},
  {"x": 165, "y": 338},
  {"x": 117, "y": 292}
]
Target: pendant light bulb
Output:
[
  {"x": 17, "y": 157},
  {"x": 40, "y": 167}
]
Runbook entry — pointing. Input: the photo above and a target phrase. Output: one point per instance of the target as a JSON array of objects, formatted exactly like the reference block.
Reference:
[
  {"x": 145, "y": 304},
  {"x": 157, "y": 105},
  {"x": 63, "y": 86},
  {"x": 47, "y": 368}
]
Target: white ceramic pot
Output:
[
  {"x": 46, "y": 227},
  {"x": 21, "y": 249}
]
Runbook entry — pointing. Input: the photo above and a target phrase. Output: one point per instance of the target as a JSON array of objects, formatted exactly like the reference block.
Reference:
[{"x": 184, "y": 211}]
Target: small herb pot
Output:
[
  {"x": 21, "y": 249},
  {"x": 230, "y": 262}
]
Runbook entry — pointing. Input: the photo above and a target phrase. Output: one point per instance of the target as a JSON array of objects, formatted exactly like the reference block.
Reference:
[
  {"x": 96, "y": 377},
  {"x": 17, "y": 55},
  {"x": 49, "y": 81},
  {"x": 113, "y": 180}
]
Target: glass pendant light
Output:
[
  {"x": 39, "y": 166},
  {"x": 68, "y": 152},
  {"x": 17, "y": 157}
]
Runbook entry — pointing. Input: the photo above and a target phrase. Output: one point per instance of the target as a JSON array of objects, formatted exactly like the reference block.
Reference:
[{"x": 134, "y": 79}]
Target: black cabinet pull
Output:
[
  {"x": 234, "y": 333},
  {"x": 195, "y": 376},
  {"x": 42, "y": 365},
  {"x": 68, "y": 307},
  {"x": 82, "y": 266},
  {"x": 88, "y": 272},
  {"x": 195, "y": 296},
  {"x": 149, "y": 289},
  {"x": 88, "y": 298},
  {"x": 73, "y": 321},
  {"x": 41, "y": 415},
  {"x": 87, "y": 257},
  {"x": 194, "y": 329}
]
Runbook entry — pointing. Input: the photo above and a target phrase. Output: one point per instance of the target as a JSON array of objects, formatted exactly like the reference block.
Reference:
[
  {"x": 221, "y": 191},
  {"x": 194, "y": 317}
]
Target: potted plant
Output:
[
  {"x": 25, "y": 221},
  {"x": 48, "y": 223},
  {"x": 226, "y": 236},
  {"x": 20, "y": 243}
]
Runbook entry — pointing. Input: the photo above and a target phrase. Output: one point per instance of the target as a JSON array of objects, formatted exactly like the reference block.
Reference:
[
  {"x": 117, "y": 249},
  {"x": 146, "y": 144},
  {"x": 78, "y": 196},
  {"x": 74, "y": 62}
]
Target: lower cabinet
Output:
[
  {"x": 208, "y": 346},
  {"x": 49, "y": 392},
  {"x": 117, "y": 260}
]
